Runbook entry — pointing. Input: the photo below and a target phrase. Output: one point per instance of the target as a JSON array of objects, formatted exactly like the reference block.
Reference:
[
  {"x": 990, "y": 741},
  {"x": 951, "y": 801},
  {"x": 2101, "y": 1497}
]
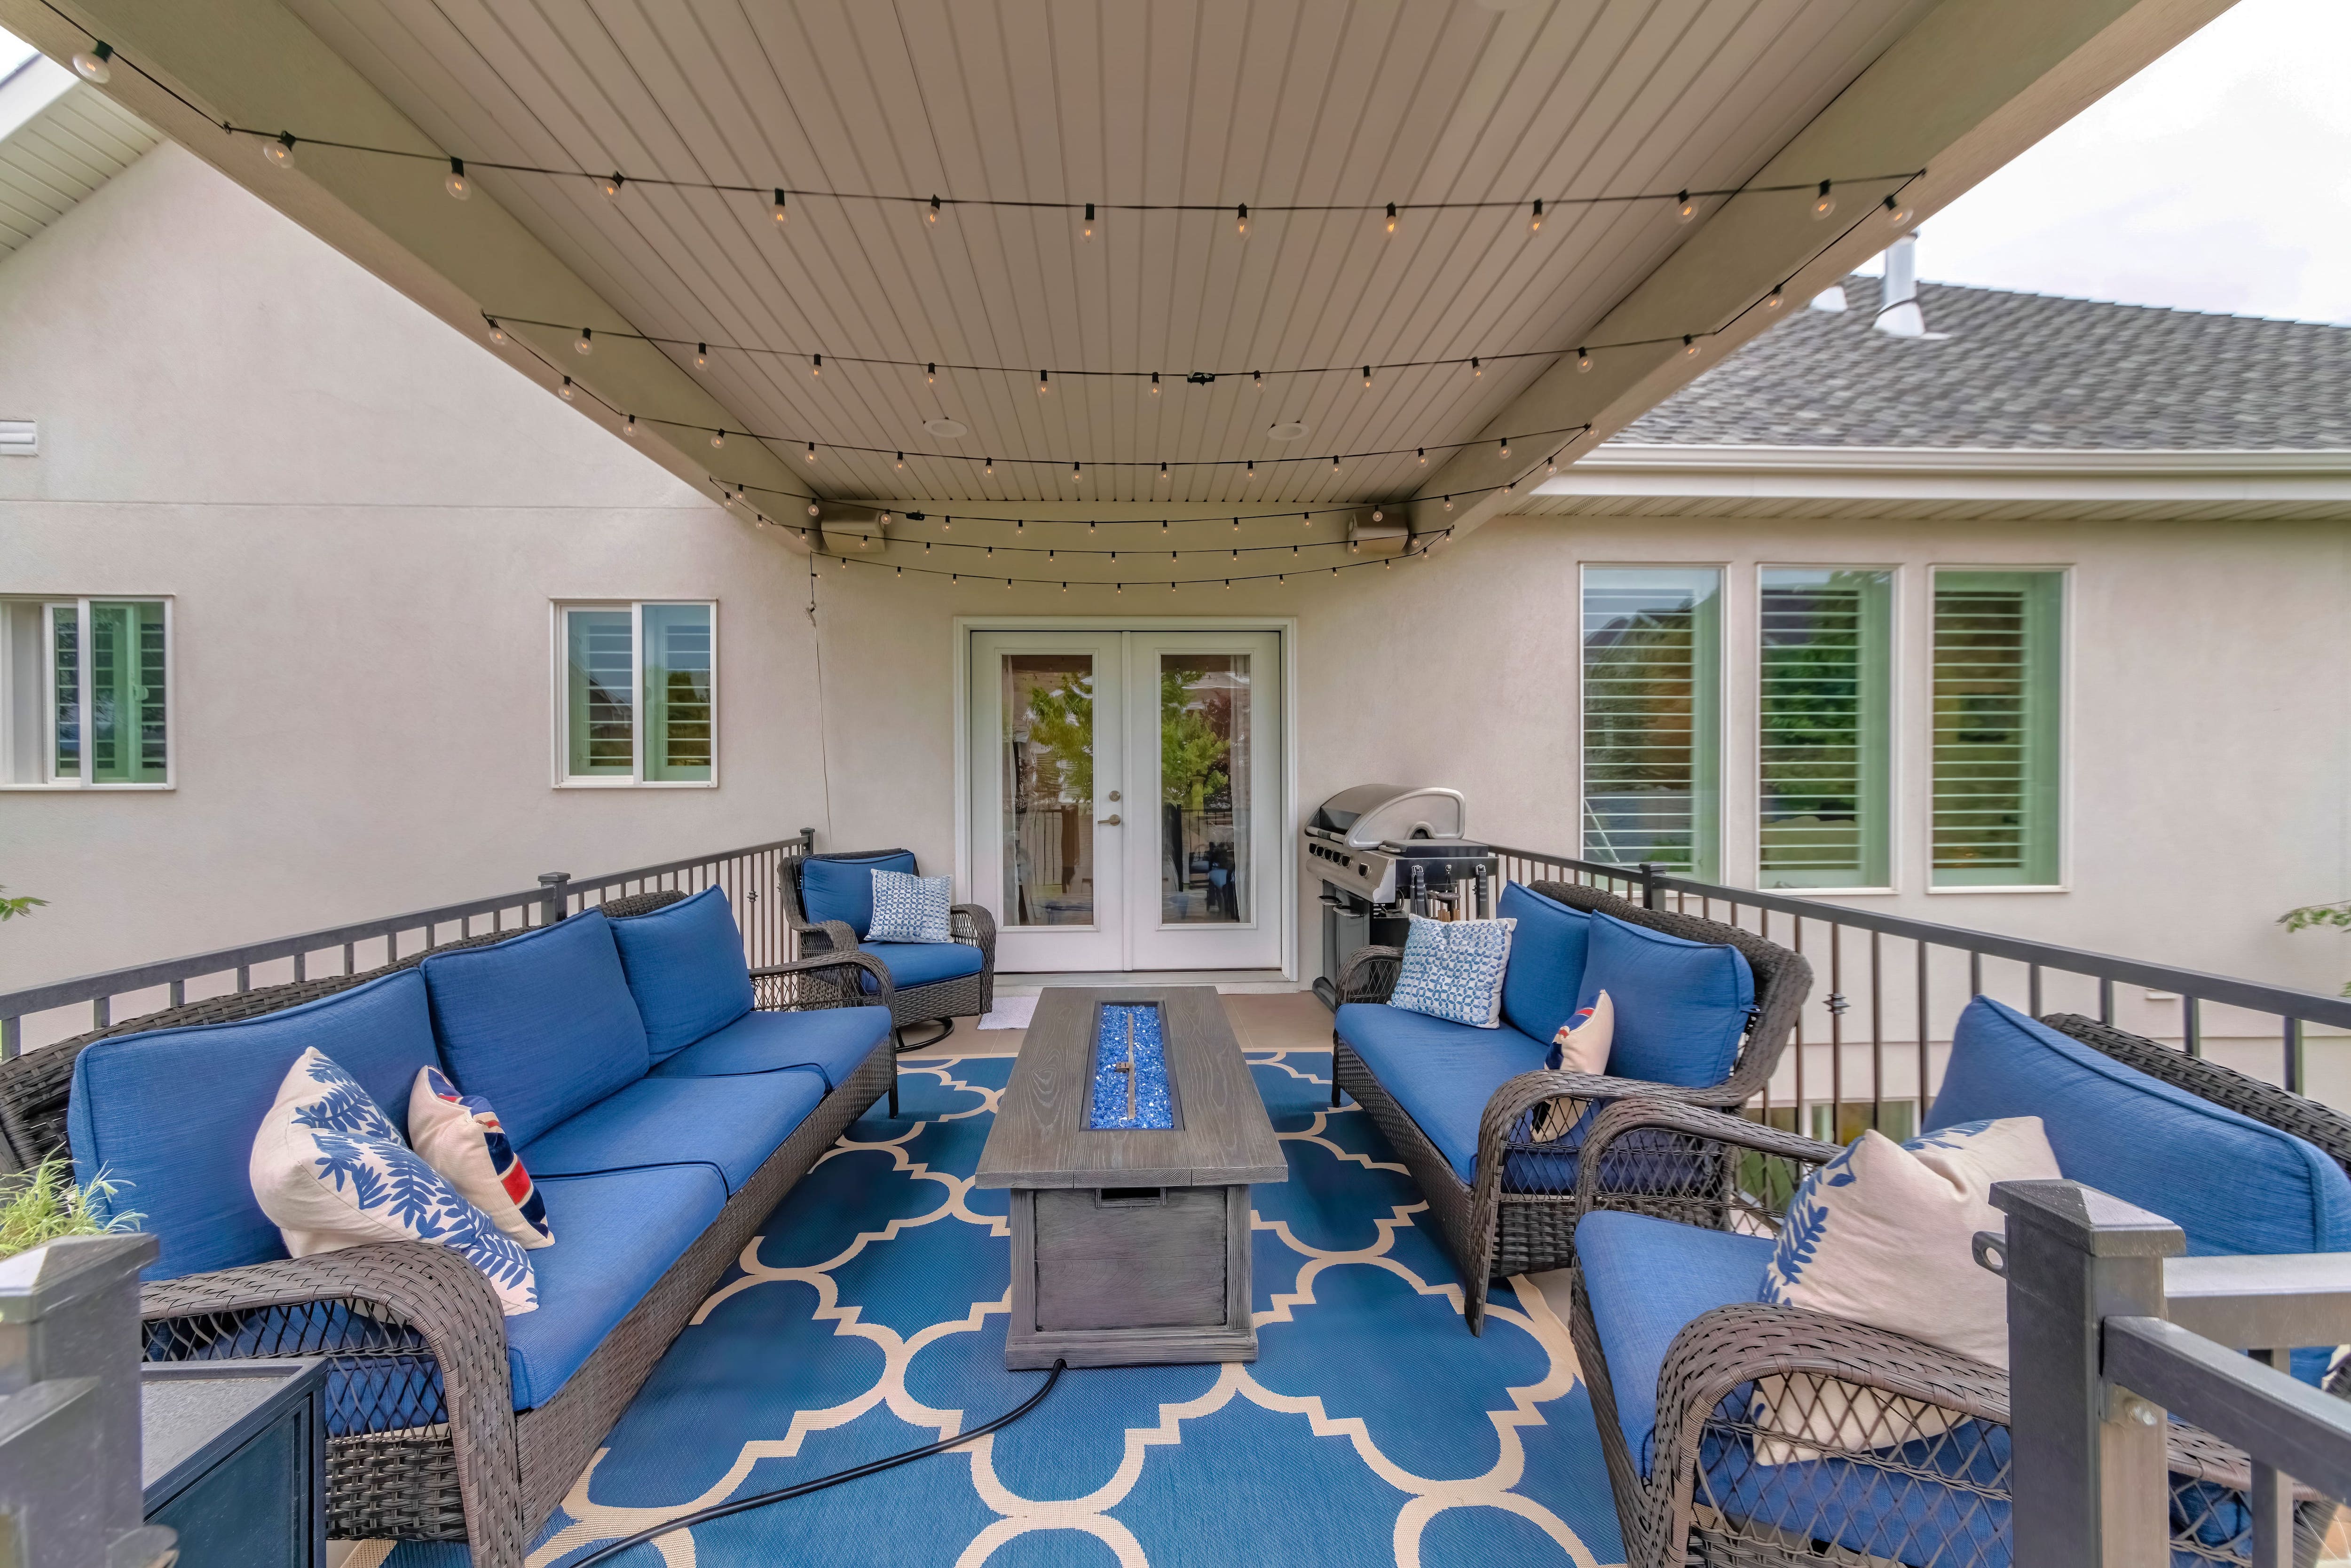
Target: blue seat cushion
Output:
[
  {"x": 541, "y": 1026},
  {"x": 828, "y": 1043},
  {"x": 843, "y": 889},
  {"x": 1547, "y": 960},
  {"x": 685, "y": 967},
  {"x": 171, "y": 1114},
  {"x": 2255, "y": 1189},
  {"x": 1681, "y": 1007},
  {"x": 726, "y": 1124},
  {"x": 1646, "y": 1278},
  {"x": 615, "y": 1236},
  {"x": 912, "y": 964},
  {"x": 1442, "y": 1074}
]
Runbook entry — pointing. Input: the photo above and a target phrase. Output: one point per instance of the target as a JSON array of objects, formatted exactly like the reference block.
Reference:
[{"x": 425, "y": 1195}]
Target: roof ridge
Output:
[{"x": 1852, "y": 278}]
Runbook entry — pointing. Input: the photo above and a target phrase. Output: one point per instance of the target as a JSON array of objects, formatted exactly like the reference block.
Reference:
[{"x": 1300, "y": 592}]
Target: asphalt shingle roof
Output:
[{"x": 2020, "y": 370}]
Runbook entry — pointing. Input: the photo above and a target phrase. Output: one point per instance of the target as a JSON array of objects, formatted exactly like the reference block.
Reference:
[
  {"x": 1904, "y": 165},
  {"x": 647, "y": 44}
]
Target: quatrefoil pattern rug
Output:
[{"x": 869, "y": 1318}]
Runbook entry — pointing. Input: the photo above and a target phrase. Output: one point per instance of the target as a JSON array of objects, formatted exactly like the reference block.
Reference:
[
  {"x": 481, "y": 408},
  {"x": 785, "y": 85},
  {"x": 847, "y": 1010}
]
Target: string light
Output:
[
  {"x": 701, "y": 354},
  {"x": 629, "y": 427},
  {"x": 1686, "y": 209},
  {"x": 816, "y": 364},
  {"x": 811, "y": 451},
  {"x": 1087, "y": 232},
  {"x": 718, "y": 438},
  {"x": 1897, "y": 214},
  {"x": 612, "y": 185},
  {"x": 91, "y": 64},
  {"x": 1241, "y": 225},
  {"x": 1155, "y": 383},
  {"x": 1044, "y": 384},
  {"x": 1534, "y": 223},
  {"x": 566, "y": 388},
  {"x": 1367, "y": 375},
  {"x": 1582, "y": 361},
  {"x": 988, "y": 466},
  {"x": 1335, "y": 463},
  {"x": 931, "y": 374},
  {"x": 901, "y": 461},
  {"x": 780, "y": 209},
  {"x": 585, "y": 343},
  {"x": 1506, "y": 445},
  {"x": 1689, "y": 345},
  {"x": 1258, "y": 378},
  {"x": 456, "y": 183},
  {"x": 497, "y": 333},
  {"x": 281, "y": 151},
  {"x": 1826, "y": 203},
  {"x": 1552, "y": 465},
  {"x": 1422, "y": 453},
  {"x": 1773, "y": 301},
  {"x": 1391, "y": 221},
  {"x": 1163, "y": 473},
  {"x": 933, "y": 215},
  {"x": 1252, "y": 469}
]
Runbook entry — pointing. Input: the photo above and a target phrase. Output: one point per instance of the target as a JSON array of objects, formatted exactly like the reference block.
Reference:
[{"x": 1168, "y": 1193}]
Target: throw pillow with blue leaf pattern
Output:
[
  {"x": 909, "y": 908},
  {"x": 1881, "y": 1235},
  {"x": 1452, "y": 970},
  {"x": 330, "y": 1171}
]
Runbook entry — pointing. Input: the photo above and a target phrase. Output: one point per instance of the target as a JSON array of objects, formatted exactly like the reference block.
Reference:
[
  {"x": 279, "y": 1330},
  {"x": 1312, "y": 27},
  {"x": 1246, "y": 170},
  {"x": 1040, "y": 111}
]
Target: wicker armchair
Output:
[
  {"x": 1931, "y": 1488},
  {"x": 424, "y": 1443},
  {"x": 1493, "y": 1231},
  {"x": 939, "y": 1001}
]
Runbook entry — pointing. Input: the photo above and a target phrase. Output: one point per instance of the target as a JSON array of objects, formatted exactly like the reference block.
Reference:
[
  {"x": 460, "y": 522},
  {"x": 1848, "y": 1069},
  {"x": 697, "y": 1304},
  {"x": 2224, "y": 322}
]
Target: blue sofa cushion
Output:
[
  {"x": 915, "y": 964},
  {"x": 685, "y": 967},
  {"x": 1681, "y": 1006},
  {"x": 1645, "y": 1279},
  {"x": 1442, "y": 1074},
  {"x": 726, "y": 1124},
  {"x": 1547, "y": 959},
  {"x": 2255, "y": 1189},
  {"x": 829, "y": 1044},
  {"x": 541, "y": 1026},
  {"x": 617, "y": 1235},
  {"x": 843, "y": 889},
  {"x": 171, "y": 1114}
]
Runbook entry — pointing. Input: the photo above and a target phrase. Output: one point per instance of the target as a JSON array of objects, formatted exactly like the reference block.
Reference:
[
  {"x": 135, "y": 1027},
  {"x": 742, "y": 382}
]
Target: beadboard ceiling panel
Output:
[
  {"x": 58, "y": 142},
  {"x": 1216, "y": 101}
]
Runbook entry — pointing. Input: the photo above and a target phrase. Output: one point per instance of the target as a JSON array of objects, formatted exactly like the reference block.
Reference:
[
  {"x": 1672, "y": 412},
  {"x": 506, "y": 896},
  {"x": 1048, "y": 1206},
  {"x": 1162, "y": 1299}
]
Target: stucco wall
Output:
[{"x": 362, "y": 519}]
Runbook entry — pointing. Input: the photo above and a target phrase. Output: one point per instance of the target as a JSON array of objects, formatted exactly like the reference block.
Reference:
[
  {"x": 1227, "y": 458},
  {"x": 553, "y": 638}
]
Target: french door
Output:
[{"x": 1127, "y": 798}]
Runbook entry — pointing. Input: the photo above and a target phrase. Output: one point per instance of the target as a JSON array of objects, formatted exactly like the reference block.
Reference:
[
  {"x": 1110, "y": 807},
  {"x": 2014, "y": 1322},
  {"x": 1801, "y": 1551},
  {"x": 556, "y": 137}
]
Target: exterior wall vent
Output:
[{"x": 19, "y": 438}]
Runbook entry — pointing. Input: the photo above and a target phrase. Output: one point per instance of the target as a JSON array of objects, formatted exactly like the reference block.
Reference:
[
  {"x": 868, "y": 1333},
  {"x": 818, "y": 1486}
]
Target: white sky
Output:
[{"x": 2217, "y": 179}]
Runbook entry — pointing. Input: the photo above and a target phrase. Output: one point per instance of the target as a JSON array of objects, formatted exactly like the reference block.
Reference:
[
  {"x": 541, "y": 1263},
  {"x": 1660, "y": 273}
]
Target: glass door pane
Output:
[
  {"x": 1205, "y": 871},
  {"x": 1047, "y": 779}
]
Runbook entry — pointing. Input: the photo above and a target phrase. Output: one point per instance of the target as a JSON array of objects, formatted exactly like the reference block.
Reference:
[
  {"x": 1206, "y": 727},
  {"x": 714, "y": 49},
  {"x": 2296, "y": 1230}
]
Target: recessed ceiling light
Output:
[
  {"x": 946, "y": 429},
  {"x": 1294, "y": 430}
]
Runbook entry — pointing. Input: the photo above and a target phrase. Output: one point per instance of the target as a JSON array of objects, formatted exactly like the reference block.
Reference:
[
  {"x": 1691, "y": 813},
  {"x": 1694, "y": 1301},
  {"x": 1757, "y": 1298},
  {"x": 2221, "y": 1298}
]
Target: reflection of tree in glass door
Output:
[
  {"x": 1048, "y": 745},
  {"x": 1204, "y": 773}
]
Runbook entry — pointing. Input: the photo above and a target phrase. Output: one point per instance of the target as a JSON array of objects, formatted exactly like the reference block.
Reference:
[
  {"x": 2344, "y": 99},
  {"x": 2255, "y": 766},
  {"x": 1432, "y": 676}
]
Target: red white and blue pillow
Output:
[{"x": 460, "y": 1136}]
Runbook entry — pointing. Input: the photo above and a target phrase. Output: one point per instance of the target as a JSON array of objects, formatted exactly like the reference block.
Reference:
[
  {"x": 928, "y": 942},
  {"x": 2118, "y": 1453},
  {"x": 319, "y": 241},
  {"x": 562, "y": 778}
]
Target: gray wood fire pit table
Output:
[{"x": 1129, "y": 1136}]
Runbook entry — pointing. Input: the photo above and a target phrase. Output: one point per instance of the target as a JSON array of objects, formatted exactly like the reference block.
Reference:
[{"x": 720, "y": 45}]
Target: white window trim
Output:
[
  {"x": 1896, "y": 718},
  {"x": 559, "y": 756},
  {"x": 51, "y": 605},
  {"x": 2064, "y": 882}
]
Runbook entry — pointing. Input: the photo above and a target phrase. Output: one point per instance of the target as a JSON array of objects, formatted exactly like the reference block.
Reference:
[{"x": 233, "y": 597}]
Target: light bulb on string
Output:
[
  {"x": 456, "y": 183},
  {"x": 1087, "y": 232},
  {"x": 1773, "y": 301},
  {"x": 1392, "y": 217},
  {"x": 1252, "y": 469},
  {"x": 1237, "y": 525},
  {"x": 585, "y": 343},
  {"x": 1826, "y": 203},
  {"x": 1240, "y": 221},
  {"x": 91, "y": 64},
  {"x": 931, "y": 373},
  {"x": 987, "y": 466},
  {"x": 629, "y": 427},
  {"x": 1367, "y": 375},
  {"x": 612, "y": 185},
  {"x": 816, "y": 365},
  {"x": 1334, "y": 463},
  {"x": 1256, "y": 380},
  {"x": 1044, "y": 382},
  {"x": 1155, "y": 383},
  {"x": 783, "y": 213},
  {"x": 1685, "y": 209},
  {"x": 933, "y": 215},
  {"x": 566, "y": 388},
  {"x": 811, "y": 451},
  {"x": 497, "y": 333},
  {"x": 1475, "y": 368},
  {"x": 1897, "y": 214},
  {"x": 902, "y": 462},
  {"x": 1689, "y": 345},
  {"x": 1163, "y": 473},
  {"x": 701, "y": 354},
  {"x": 1534, "y": 223},
  {"x": 1505, "y": 444},
  {"x": 1448, "y": 503},
  {"x": 1552, "y": 465},
  {"x": 718, "y": 438},
  {"x": 812, "y": 509},
  {"x": 1582, "y": 361},
  {"x": 1422, "y": 454},
  {"x": 280, "y": 151}
]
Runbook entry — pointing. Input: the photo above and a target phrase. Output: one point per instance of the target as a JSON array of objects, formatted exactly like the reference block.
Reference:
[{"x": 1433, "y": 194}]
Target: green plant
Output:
[
  {"x": 24, "y": 905},
  {"x": 42, "y": 1203},
  {"x": 2337, "y": 913}
]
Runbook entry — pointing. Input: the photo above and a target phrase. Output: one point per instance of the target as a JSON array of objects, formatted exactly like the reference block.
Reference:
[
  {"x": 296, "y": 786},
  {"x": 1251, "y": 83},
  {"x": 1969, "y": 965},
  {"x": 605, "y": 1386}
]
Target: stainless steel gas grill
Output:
[{"x": 1382, "y": 851}]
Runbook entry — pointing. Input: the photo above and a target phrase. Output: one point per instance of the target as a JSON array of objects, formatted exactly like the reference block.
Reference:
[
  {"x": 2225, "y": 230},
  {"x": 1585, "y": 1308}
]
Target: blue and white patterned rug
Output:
[{"x": 870, "y": 1318}]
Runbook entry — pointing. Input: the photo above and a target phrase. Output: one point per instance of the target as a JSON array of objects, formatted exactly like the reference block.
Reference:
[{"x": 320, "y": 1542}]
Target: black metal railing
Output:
[
  {"x": 1890, "y": 987},
  {"x": 748, "y": 875}
]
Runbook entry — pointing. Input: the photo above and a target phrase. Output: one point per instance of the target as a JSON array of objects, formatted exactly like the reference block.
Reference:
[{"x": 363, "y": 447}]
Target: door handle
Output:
[{"x": 1108, "y": 821}]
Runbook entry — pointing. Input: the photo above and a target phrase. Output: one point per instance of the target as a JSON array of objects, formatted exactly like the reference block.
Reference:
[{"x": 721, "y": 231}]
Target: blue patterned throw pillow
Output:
[
  {"x": 330, "y": 1171},
  {"x": 1452, "y": 970},
  {"x": 909, "y": 908}
]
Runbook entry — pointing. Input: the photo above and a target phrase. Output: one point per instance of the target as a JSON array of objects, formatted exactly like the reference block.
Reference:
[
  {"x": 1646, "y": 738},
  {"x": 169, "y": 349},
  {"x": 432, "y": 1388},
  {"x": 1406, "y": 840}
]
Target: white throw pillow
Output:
[
  {"x": 1881, "y": 1235},
  {"x": 328, "y": 1168},
  {"x": 1580, "y": 1046},
  {"x": 460, "y": 1136},
  {"x": 1453, "y": 969},
  {"x": 909, "y": 908}
]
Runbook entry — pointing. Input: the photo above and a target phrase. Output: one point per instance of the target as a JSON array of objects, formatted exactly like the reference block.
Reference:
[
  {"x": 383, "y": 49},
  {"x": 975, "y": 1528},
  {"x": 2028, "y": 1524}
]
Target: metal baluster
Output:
[
  {"x": 1975, "y": 973},
  {"x": 1836, "y": 1005},
  {"x": 2272, "y": 1496},
  {"x": 2032, "y": 989},
  {"x": 1924, "y": 1098},
  {"x": 1878, "y": 1036},
  {"x": 244, "y": 979},
  {"x": 2105, "y": 1001},
  {"x": 101, "y": 1011},
  {"x": 2192, "y": 1026},
  {"x": 301, "y": 968},
  {"x": 1798, "y": 942},
  {"x": 178, "y": 993},
  {"x": 2293, "y": 1055},
  {"x": 12, "y": 1037}
]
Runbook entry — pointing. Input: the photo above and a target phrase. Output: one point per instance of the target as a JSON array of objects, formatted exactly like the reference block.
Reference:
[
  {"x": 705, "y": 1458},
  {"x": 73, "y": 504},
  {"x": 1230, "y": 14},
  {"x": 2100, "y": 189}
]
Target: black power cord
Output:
[{"x": 760, "y": 1499}]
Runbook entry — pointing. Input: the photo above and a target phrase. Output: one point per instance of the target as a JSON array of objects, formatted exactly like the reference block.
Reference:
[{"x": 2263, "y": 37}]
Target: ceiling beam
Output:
[
  {"x": 254, "y": 62},
  {"x": 1975, "y": 83}
]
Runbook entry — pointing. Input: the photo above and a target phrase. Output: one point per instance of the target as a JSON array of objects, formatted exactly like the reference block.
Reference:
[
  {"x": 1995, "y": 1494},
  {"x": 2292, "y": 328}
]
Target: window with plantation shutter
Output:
[
  {"x": 639, "y": 685},
  {"x": 1652, "y": 717},
  {"x": 1998, "y": 639},
  {"x": 1825, "y": 676},
  {"x": 87, "y": 688}
]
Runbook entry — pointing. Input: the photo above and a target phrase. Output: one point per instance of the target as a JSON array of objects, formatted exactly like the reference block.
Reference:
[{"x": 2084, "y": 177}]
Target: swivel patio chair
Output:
[
  {"x": 1504, "y": 1198},
  {"x": 1674, "y": 1343},
  {"x": 829, "y": 903}
]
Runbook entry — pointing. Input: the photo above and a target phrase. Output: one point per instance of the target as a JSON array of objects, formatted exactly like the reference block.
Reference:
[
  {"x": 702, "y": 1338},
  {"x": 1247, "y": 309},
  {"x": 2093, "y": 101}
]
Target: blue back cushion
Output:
[
  {"x": 542, "y": 1026},
  {"x": 1547, "y": 958},
  {"x": 685, "y": 967},
  {"x": 843, "y": 889},
  {"x": 1681, "y": 1006},
  {"x": 171, "y": 1114}
]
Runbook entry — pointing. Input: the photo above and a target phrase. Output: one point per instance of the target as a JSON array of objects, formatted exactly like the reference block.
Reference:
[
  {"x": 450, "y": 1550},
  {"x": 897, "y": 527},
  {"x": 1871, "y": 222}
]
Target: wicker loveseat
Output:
[
  {"x": 829, "y": 903},
  {"x": 664, "y": 1099},
  {"x": 1454, "y": 1101},
  {"x": 1675, "y": 1345}
]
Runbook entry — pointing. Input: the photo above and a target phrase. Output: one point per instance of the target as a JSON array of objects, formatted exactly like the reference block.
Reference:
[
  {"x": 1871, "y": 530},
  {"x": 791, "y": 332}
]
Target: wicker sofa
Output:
[
  {"x": 829, "y": 905},
  {"x": 447, "y": 1421},
  {"x": 1671, "y": 1337},
  {"x": 1454, "y": 1101}
]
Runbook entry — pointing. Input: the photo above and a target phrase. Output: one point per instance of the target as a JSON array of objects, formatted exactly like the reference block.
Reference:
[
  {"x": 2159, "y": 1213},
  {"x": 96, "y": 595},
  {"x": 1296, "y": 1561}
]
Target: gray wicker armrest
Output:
[
  {"x": 412, "y": 1284},
  {"x": 825, "y": 936},
  {"x": 1370, "y": 974},
  {"x": 974, "y": 925},
  {"x": 825, "y": 980}
]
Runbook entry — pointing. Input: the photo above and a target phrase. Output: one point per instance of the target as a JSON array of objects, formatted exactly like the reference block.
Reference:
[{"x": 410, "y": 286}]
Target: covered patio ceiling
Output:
[{"x": 1461, "y": 113}]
